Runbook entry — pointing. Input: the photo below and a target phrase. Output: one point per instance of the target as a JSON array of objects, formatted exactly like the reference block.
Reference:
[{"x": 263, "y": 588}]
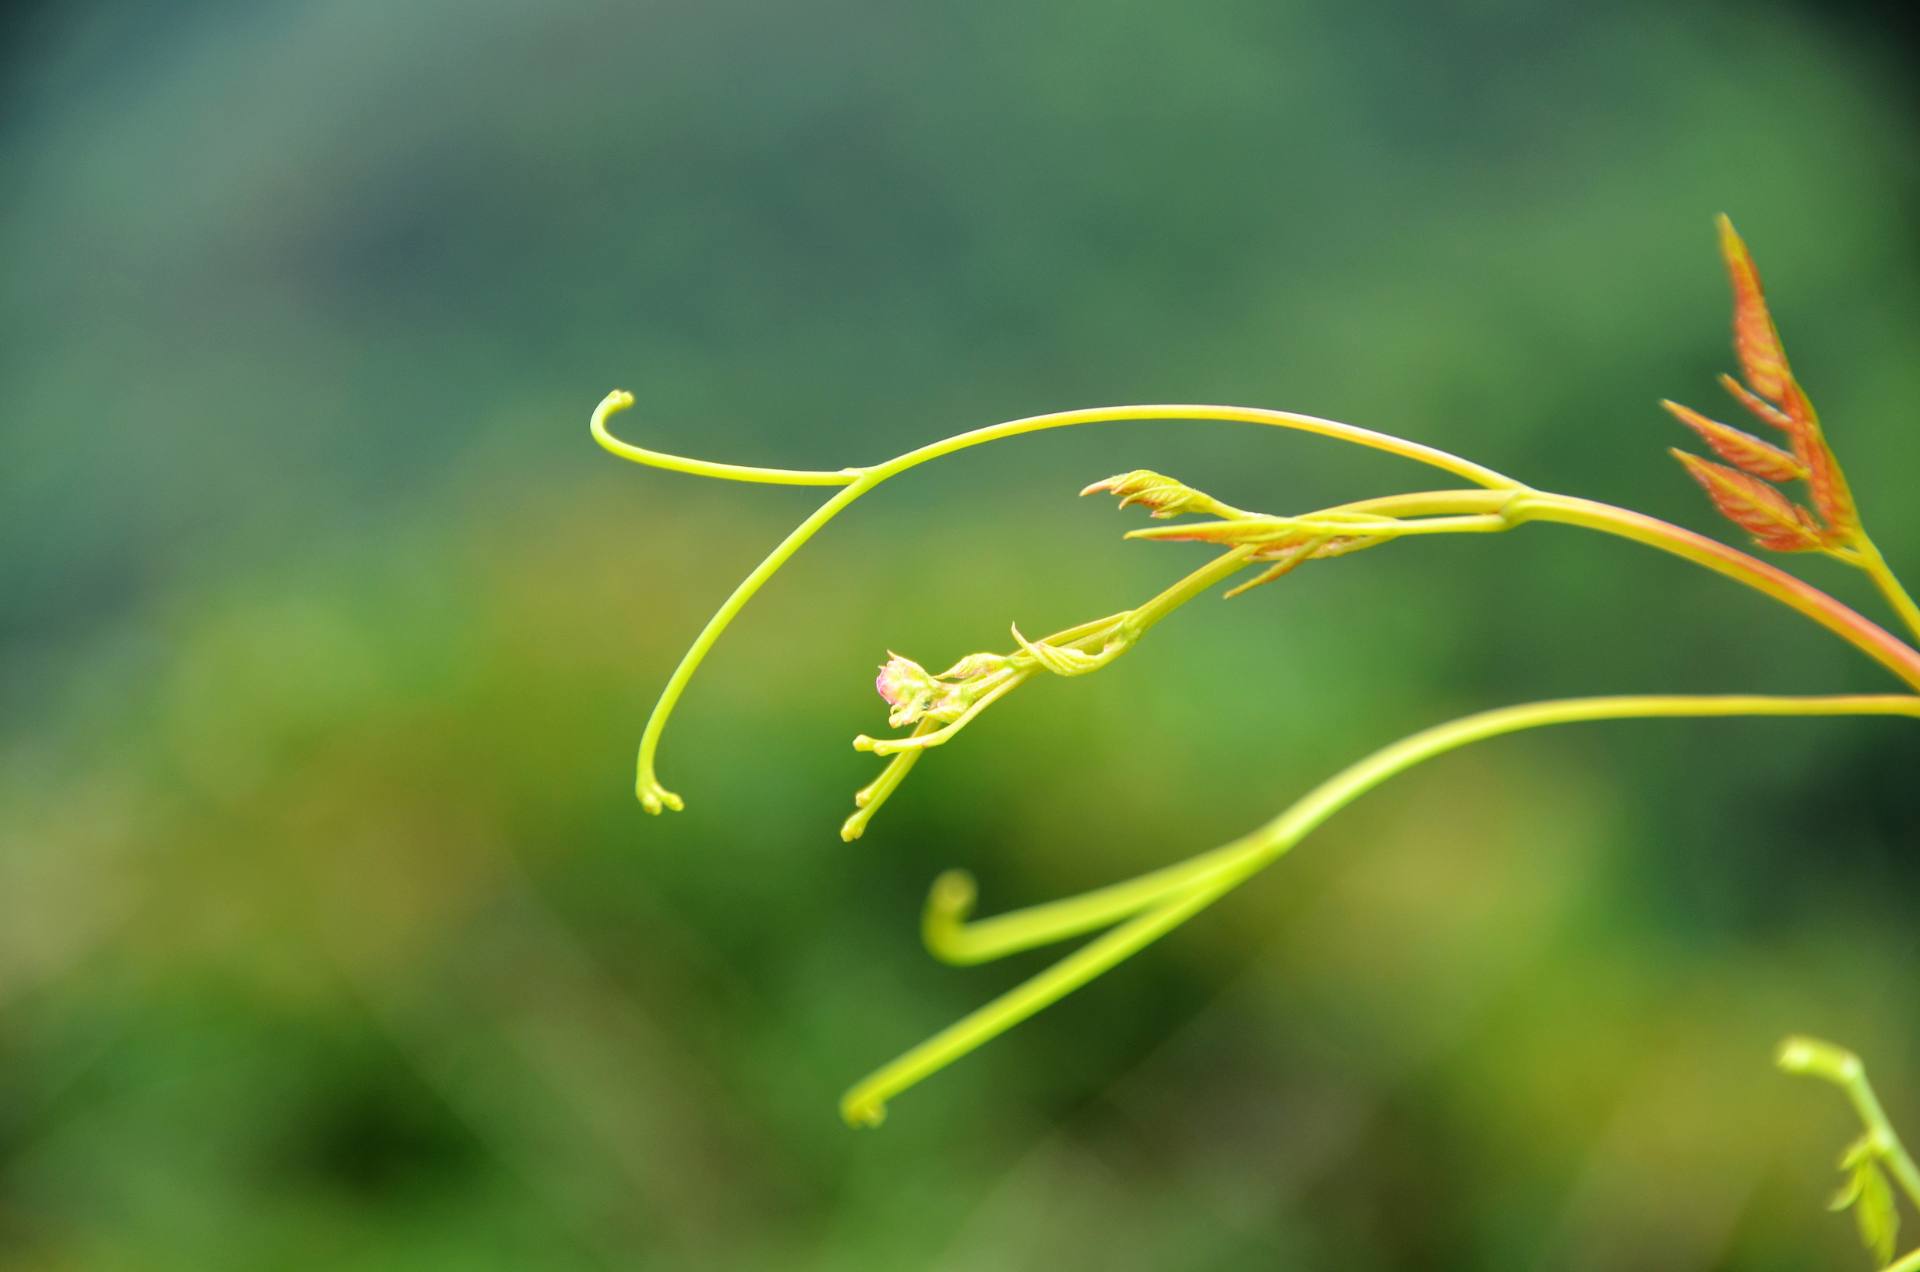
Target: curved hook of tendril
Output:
[{"x": 619, "y": 400}]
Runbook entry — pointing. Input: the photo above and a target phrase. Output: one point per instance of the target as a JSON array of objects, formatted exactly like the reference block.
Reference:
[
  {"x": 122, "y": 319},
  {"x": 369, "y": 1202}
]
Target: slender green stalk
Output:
[
  {"x": 619, "y": 400},
  {"x": 1155, "y": 908},
  {"x": 1883, "y": 578},
  {"x": 1445, "y": 461},
  {"x": 866, "y": 1103},
  {"x": 1432, "y": 503},
  {"x": 954, "y": 940},
  {"x": 1328, "y": 524},
  {"x": 1869, "y": 637},
  {"x": 654, "y": 796},
  {"x": 1222, "y": 567}
]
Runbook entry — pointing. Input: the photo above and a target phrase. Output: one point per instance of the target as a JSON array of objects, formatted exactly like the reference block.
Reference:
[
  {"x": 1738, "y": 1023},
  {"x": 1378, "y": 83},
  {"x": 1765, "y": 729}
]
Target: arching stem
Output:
[
  {"x": 1147, "y": 908},
  {"x": 654, "y": 796},
  {"x": 856, "y": 482}
]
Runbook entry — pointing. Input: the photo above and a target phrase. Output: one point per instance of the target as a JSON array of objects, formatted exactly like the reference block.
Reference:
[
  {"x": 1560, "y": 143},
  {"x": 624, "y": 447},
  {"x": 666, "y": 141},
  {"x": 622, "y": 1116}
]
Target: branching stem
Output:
[{"x": 856, "y": 482}]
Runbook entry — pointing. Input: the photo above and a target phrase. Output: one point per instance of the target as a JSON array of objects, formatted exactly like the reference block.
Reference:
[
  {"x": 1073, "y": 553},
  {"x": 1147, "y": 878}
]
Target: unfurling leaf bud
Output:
[
  {"x": 915, "y": 694},
  {"x": 1825, "y": 481},
  {"x": 1741, "y": 449},
  {"x": 1763, "y": 410},
  {"x": 1772, "y": 519},
  {"x": 1774, "y": 396},
  {"x": 1064, "y": 660},
  {"x": 1162, "y": 496},
  {"x": 1755, "y": 340},
  {"x": 907, "y": 687}
]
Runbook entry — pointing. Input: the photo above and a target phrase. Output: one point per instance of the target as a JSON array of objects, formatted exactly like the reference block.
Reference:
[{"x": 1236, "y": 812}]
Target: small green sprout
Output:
[{"x": 1868, "y": 1160}]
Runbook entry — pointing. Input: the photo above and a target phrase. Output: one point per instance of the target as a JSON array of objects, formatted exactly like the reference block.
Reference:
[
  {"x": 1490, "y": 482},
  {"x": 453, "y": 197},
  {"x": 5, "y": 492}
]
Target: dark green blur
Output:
[{"x": 330, "y": 933}]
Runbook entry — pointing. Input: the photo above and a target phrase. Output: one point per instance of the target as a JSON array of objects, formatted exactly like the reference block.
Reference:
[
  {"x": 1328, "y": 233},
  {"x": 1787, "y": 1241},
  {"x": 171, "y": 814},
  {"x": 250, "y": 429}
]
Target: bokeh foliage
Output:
[{"x": 329, "y": 932}]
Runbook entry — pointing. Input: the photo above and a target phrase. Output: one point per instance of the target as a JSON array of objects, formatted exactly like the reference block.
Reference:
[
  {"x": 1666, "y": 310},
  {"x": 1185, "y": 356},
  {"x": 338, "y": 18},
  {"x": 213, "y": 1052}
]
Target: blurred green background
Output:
[{"x": 330, "y": 933}]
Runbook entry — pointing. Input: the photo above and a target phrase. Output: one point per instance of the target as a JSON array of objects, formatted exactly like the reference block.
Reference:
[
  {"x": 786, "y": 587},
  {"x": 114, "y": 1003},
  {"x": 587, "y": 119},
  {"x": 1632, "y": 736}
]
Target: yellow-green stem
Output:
[
  {"x": 654, "y": 796},
  {"x": 1220, "y": 568},
  {"x": 1867, "y": 636},
  {"x": 1174, "y": 896},
  {"x": 1467, "y": 470},
  {"x": 619, "y": 400},
  {"x": 1890, "y": 587}
]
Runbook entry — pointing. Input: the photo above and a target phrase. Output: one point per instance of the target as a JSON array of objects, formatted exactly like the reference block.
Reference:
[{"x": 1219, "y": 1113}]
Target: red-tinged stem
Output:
[{"x": 1851, "y": 626}]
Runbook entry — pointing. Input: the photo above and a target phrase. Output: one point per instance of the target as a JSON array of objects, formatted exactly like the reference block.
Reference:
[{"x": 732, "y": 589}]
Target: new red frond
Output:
[
  {"x": 1770, "y": 517},
  {"x": 1754, "y": 338},
  {"x": 1763, "y": 410},
  {"x": 1825, "y": 481},
  {"x": 1743, "y": 450}
]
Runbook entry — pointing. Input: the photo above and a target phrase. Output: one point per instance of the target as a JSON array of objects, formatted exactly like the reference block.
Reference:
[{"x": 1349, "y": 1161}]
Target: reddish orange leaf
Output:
[
  {"x": 1825, "y": 481},
  {"x": 1743, "y": 450},
  {"x": 1754, "y": 338},
  {"x": 1763, "y": 410},
  {"x": 1763, "y": 512}
]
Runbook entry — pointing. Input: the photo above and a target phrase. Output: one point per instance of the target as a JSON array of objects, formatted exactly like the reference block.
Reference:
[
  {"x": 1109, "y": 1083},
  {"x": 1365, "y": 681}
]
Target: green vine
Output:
[{"x": 1747, "y": 483}]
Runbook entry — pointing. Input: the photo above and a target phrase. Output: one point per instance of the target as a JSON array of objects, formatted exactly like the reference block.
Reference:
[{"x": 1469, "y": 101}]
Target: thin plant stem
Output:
[
  {"x": 1881, "y": 573},
  {"x": 1221, "y": 871},
  {"x": 619, "y": 400},
  {"x": 1222, "y": 567},
  {"x": 1867, "y": 636},
  {"x": 1329, "y": 524},
  {"x": 1421, "y": 503},
  {"x": 1466, "y": 469},
  {"x": 654, "y": 796},
  {"x": 953, "y": 939}
]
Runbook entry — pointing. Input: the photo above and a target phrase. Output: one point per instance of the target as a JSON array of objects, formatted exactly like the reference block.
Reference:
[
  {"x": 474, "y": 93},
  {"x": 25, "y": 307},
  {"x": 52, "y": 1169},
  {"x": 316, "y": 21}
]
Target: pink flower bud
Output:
[{"x": 907, "y": 688}]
